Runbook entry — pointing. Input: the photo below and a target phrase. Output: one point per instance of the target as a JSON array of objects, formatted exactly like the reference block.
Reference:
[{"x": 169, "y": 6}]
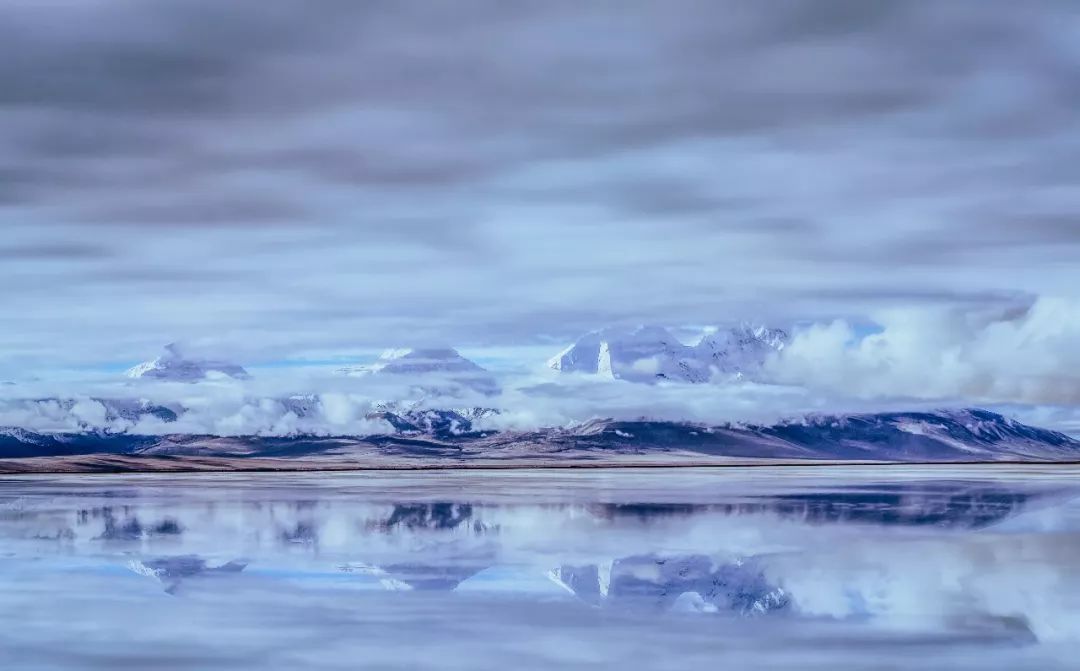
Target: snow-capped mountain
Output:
[
  {"x": 943, "y": 436},
  {"x": 175, "y": 366},
  {"x": 644, "y": 354},
  {"x": 442, "y": 424},
  {"x": 653, "y": 354},
  {"x": 436, "y": 371},
  {"x": 741, "y": 350}
]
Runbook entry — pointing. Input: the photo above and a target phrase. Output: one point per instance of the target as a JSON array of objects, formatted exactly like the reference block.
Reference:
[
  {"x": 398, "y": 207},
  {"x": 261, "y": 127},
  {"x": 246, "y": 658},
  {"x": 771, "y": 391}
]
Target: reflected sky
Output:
[{"x": 786, "y": 568}]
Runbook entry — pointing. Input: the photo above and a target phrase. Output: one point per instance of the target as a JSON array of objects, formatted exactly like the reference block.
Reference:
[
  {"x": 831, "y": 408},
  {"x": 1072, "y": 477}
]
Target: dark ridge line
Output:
[{"x": 353, "y": 468}]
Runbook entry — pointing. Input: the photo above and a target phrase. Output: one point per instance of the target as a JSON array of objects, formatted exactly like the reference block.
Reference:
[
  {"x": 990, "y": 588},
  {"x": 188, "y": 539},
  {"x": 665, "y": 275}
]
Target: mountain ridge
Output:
[{"x": 943, "y": 436}]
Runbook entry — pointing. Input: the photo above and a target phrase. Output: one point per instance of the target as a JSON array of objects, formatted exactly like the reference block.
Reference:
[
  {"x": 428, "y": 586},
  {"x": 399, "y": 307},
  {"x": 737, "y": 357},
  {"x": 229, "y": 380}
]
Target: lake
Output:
[{"x": 885, "y": 567}]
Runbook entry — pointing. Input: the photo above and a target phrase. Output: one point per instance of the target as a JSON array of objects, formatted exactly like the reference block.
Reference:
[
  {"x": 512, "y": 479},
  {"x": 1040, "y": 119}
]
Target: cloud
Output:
[
  {"x": 1017, "y": 356},
  {"x": 315, "y": 400},
  {"x": 283, "y": 179}
]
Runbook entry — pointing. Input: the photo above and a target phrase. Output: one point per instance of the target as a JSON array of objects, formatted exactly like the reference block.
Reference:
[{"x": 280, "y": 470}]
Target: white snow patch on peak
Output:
[
  {"x": 423, "y": 360},
  {"x": 603, "y": 362},
  {"x": 426, "y": 363},
  {"x": 176, "y": 366},
  {"x": 654, "y": 354},
  {"x": 741, "y": 350}
]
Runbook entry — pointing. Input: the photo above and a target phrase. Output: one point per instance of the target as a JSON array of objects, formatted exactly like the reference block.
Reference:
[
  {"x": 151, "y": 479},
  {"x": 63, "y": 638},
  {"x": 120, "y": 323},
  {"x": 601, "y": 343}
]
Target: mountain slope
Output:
[
  {"x": 437, "y": 371},
  {"x": 946, "y": 435},
  {"x": 175, "y": 366},
  {"x": 650, "y": 354},
  {"x": 434, "y": 436},
  {"x": 742, "y": 350}
]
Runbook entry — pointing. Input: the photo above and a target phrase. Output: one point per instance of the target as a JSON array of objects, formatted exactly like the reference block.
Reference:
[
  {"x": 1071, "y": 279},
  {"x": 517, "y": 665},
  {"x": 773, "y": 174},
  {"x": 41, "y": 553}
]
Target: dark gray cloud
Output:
[
  {"x": 53, "y": 251},
  {"x": 283, "y": 175}
]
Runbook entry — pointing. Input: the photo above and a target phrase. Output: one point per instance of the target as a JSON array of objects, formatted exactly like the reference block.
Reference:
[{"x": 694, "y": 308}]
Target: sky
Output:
[{"x": 286, "y": 180}]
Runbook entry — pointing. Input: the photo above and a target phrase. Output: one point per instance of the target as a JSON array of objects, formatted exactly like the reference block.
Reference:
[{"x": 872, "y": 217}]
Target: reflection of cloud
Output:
[{"x": 860, "y": 555}]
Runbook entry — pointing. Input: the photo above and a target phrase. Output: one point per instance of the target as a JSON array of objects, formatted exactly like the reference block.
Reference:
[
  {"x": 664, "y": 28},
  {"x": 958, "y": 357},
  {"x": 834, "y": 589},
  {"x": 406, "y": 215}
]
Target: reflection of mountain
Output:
[
  {"x": 446, "y": 564},
  {"x": 447, "y": 567},
  {"x": 693, "y": 582},
  {"x": 130, "y": 527},
  {"x": 171, "y": 571},
  {"x": 951, "y": 504},
  {"x": 443, "y": 577},
  {"x": 943, "y": 503},
  {"x": 644, "y": 512},
  {"x": 301, "y": 533},
  {"x": 430, "y": 516}
]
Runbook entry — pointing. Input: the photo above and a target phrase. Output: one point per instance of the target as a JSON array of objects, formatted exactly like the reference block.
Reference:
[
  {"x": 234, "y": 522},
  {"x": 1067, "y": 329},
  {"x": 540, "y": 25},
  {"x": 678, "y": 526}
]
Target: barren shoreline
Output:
[{"x": 117, "y": 464}]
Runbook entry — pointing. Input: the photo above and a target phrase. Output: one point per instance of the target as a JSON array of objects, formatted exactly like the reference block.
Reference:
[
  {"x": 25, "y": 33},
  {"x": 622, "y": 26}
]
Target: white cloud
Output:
[
  {"x": 264, "y": 186},
  {"x": 1027, "y": 356}
]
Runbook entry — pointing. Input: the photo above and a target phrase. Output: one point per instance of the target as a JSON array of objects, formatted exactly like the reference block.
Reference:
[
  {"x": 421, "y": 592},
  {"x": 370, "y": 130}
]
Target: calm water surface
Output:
[{"x": 791, "y": 568}]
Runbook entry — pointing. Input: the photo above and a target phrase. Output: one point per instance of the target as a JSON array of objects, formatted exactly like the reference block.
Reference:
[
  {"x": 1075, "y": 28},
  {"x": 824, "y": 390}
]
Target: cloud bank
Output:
[
  {"x": 286, "y": 179},
  {"x": 1016, "y": 356},
  {"x": 1021, "y": 361}
]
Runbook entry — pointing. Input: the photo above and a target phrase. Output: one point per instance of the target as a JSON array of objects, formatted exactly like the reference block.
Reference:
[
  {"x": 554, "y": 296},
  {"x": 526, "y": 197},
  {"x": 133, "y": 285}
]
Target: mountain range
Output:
[
  {"x": 454, "y": 438},
  {"x": 450, "y": 407},
  {"x": 647, "y": 354}
]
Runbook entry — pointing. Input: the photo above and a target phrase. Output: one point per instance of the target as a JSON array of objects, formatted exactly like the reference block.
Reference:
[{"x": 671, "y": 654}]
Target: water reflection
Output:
[
  {"x": 934, "y": 558},
  {"x": 691, "y": 583},
  {"x": 171, "y": 571}
]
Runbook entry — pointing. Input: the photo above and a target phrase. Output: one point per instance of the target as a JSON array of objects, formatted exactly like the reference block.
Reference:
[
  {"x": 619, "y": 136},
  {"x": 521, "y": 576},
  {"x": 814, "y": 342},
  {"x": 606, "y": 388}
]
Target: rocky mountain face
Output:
[{"x": 651, "y": 354}]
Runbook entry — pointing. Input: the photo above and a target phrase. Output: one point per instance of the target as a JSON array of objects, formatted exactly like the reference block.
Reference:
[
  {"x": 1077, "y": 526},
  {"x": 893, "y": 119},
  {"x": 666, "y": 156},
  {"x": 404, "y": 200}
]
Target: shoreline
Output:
[{"x": 109, "y": 464}]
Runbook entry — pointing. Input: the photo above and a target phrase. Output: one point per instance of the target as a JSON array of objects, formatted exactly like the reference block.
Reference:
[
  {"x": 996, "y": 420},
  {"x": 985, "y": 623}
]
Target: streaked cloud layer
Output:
[{"x": 281, "y": 178}]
